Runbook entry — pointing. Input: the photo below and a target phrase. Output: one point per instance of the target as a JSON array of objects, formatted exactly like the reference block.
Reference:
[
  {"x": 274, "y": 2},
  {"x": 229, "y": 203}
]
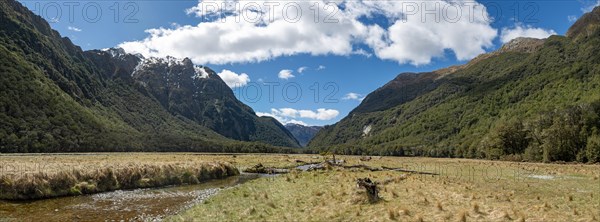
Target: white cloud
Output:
[
  {"x": 233, "y": 79},
  {"x": 321, "y": 67},
  {"x": 285, "y": 112},
  {"x": 238, "y": 39},
  {"x": 320, "y": 114},
  {"x": 572, "y": 18},
  {"x": 298, "y": 122},
  {"x": 464, "y": 30},
  {"x": 285, "y": 74},
  {"x": 75, "y": 29},
  {"x": 247, "y": 34},
  {"x": 281, "y": 119},
  {"x": 525, "y": 31},
  {"x": 353, "y": 96},
  {"x": 290, "y": 115},
  {"x": 302, "y": 69},
  {"x": 362, "y": 52}
]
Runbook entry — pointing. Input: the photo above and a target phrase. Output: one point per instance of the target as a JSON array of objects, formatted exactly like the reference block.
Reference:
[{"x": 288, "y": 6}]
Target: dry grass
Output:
[
  {"x": 35, "y": 177},
  {"x": 466, "y": 190}
]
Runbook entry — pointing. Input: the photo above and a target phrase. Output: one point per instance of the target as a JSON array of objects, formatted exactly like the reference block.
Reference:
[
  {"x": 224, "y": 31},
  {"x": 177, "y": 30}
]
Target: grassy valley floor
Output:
[{"x": 465, "y": 190}]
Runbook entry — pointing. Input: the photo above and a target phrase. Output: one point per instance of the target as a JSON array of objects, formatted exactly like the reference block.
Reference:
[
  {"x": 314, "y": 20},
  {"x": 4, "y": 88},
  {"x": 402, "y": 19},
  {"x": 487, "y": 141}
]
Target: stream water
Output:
[{"x": 122, "y": 205}]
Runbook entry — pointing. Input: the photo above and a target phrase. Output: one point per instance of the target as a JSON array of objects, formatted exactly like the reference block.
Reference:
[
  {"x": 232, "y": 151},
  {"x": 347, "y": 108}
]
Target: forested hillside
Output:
[
  {"x": 56, "y": 98},
  {"x": 536, "y": 100}
]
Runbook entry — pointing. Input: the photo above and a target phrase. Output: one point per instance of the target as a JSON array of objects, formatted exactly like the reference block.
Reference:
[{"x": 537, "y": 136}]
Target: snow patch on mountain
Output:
[{"x": 201, "y": 73}]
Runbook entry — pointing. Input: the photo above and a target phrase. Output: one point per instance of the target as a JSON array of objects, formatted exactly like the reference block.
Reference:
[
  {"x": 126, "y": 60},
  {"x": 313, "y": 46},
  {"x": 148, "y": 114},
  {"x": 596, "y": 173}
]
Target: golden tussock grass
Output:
[
  {"x": 90, "y": 179},
  {"x": 475, "y": 190},
  {"x": 462, "y": 216},
  {"x": 332, "y": 195}
]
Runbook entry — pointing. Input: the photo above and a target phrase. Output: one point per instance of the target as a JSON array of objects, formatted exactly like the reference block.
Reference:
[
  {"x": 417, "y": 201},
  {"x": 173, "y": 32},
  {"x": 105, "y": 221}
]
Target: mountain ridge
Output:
[
  {"x": 73, "y": 100},
  {"x": 303, "y": 133},
  {"x": 463, "y": 111}
]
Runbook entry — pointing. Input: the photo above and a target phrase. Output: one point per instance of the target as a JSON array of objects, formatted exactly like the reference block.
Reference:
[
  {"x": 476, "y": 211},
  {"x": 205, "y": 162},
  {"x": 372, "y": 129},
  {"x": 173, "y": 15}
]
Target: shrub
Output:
[{"x": 593, "y": 149}]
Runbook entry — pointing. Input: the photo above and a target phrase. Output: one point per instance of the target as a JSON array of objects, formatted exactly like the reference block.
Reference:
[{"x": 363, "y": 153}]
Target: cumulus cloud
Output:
[
  {"x": 233, "y": 79},
  {"x": 238, "y": 38},
  {"x": 253, "y": 32},
  {"x": 290, "y": 115},
  {"x": 321, "y": 67},
  {"x": 353, "y": 96},
  {"x": 525, "y": 31},
  {"x": 419, "y": 38},
  {"x": 320, "y": 114},
  {"x": 75, "y": 29},
  {"x": 285, "y": 74}
]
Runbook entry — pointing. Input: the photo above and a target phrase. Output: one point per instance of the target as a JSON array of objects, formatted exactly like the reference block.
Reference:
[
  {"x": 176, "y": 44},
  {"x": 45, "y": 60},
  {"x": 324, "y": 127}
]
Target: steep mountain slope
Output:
[
  {"x": 194, "y": 92},
  {"x": 302, "y": 133},
  {"x": 55, "y": 97},
  {"x": 463, "y": 111}
]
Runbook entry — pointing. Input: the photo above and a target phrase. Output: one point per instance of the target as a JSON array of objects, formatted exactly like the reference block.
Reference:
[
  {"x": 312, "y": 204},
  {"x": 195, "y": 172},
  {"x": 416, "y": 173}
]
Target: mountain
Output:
[
  {"x": 532, "y": 99},
  {"x": 54, "y": 97},
  {"x": 193, "y": 92},
  {"x": 302, "y": 133}
]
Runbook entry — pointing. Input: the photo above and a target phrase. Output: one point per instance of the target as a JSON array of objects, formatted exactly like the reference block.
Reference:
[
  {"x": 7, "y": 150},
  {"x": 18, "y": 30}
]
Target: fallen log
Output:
[
  {"x": 365, "y": 167},
  {"x": 326, "y": 165},
  {"x": 409, "y": 171},
  {"x": 259, "y": 168},
  {"x": 370, "y": 187}
]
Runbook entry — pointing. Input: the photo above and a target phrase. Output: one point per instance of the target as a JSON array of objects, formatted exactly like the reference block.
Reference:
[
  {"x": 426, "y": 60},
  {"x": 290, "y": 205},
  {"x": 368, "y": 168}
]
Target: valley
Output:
[
  {"x": 463, "y": 190},
  {"x": 503, "y": 125}
]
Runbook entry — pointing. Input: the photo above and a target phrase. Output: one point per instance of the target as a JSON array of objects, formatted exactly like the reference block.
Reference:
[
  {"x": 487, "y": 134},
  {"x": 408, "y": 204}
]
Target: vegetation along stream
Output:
[{"x": 120, "y": 205}]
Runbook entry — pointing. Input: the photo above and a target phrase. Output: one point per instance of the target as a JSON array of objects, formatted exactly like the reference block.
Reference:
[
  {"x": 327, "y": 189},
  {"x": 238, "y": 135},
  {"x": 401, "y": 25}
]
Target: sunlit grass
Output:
[
  {"x": 35, "y": 177},
  {"x": 466, "y": 190}
]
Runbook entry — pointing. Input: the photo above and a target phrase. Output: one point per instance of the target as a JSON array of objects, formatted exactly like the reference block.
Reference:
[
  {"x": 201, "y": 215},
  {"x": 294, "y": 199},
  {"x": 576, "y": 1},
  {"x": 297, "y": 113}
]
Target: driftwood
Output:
[
  {"x": 370, "y": 187},
  {"x": 259, "y": 168},
  {"x": 365, "y": 167},
  {"x": 409, "y": 171}
]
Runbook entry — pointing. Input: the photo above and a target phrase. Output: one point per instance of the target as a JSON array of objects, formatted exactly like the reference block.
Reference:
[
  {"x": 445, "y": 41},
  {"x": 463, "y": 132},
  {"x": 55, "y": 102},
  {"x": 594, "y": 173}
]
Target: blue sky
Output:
[{"x": 343, "y": 61}]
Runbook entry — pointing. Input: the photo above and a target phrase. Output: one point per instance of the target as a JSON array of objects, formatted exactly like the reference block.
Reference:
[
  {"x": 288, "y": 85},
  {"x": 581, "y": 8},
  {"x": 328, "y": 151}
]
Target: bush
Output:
[
  {"x": 513, "y": 137},
  {"x": 593, "y": 149},
  {"x": 534, "y": 153}
]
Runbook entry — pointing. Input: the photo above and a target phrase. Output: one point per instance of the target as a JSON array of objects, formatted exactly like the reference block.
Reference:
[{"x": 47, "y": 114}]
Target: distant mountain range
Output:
[
  {"x": 303, "y": 133},
  {"x": 532, "y": 99},
  {"x": 54, "y": 97}
]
